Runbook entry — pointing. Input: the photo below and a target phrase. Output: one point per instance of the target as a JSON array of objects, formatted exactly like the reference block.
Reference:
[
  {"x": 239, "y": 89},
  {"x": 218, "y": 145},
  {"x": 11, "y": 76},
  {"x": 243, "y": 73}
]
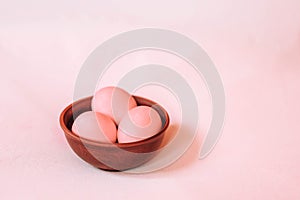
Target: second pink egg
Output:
[{"x": 113, "y": 102}]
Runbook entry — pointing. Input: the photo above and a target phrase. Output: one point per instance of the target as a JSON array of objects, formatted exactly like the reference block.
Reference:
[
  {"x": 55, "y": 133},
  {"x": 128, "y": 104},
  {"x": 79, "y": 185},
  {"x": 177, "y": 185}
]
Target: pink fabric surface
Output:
[{"x": 255, "y": 46}]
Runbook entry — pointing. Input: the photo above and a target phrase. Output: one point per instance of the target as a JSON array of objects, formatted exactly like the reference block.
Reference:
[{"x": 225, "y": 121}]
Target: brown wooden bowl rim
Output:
[{"x": 97, "y": 143}]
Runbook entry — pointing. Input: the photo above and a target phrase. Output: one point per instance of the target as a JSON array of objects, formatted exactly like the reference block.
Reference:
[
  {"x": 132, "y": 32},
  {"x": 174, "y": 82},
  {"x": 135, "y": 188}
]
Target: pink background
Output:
[{"x": 255, "y": 46}]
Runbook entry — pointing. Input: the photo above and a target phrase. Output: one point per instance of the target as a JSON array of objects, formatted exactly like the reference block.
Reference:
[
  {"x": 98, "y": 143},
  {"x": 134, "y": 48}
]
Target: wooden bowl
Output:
[{"x": 108, "y": 156}]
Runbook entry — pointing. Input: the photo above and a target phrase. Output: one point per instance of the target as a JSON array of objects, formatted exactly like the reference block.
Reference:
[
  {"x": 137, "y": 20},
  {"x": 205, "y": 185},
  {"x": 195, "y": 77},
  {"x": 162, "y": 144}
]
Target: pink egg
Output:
[
  {"x": 139, "y": 123},
  {"x": 95, "y": 126},
  {"x": 113, "y": 102}
]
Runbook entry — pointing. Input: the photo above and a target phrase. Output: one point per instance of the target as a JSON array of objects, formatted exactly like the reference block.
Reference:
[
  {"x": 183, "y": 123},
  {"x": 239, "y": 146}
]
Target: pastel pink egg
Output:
[
  {"x": 95, "y": 126},
  {"x": 113, "y": 102},
  {"x": 139, "y": 123}
]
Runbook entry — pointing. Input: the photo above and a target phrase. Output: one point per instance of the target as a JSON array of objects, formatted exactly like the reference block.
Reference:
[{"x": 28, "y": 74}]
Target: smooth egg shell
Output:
[
  {"x": 139, "y": 123},
  {"x": 95, "y": 126},
  {"x": 113, "y": 102}
]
